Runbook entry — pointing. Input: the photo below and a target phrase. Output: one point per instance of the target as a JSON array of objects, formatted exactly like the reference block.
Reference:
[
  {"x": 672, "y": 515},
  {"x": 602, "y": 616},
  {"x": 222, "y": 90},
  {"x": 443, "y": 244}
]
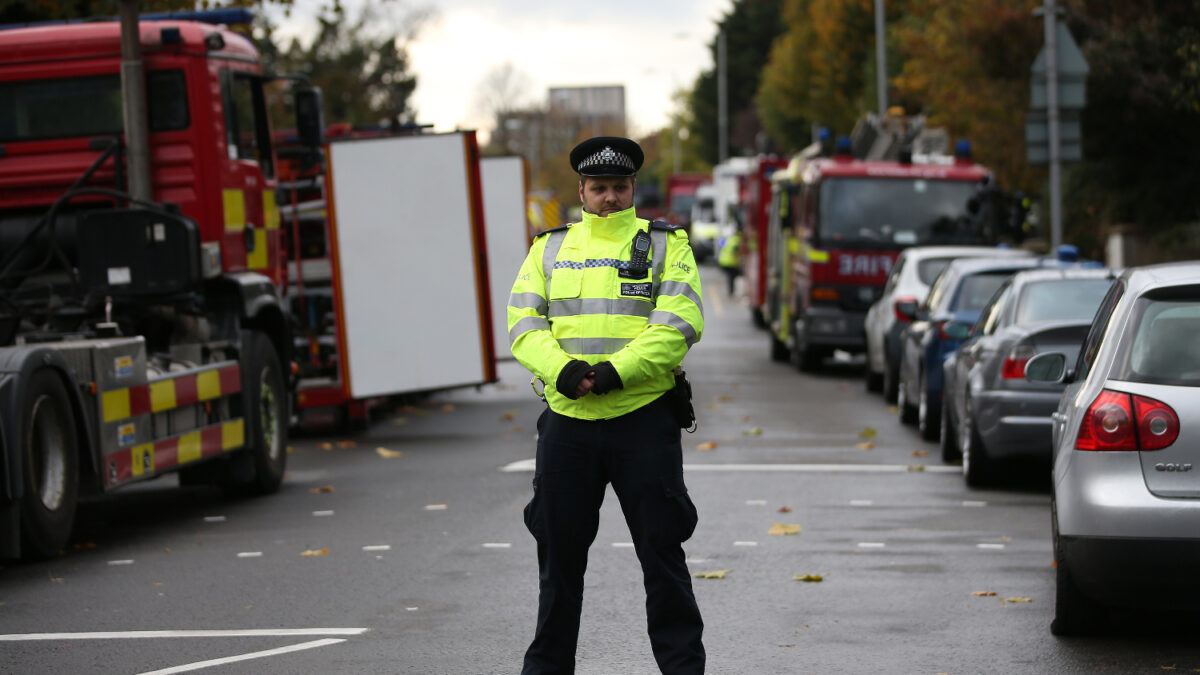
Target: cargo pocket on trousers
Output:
[{"x": 681, "y": 507}]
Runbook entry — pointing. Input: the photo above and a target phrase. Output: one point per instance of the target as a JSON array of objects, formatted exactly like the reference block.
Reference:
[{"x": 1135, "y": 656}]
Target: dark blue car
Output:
[{"x": 955, "y": 300}]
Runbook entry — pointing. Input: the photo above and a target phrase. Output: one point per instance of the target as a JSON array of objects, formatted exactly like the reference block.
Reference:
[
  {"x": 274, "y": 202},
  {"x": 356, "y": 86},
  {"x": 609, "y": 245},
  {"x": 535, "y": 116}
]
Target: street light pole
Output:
[
  {"x": 722, "y": 101},
  {"x": 1050, "y": 20},
  {"x": 880, "y": 60}
]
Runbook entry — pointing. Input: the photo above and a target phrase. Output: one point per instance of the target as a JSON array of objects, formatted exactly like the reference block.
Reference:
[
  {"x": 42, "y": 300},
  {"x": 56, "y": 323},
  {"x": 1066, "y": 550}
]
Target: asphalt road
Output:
[{"x": 402, "y": 550}]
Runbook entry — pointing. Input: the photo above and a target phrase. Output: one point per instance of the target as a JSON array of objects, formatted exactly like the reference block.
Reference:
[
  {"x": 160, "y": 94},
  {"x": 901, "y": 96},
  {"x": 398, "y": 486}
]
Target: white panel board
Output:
[
  {"x": 503, "y": 181},
  {"x": 406, "y": 268}
]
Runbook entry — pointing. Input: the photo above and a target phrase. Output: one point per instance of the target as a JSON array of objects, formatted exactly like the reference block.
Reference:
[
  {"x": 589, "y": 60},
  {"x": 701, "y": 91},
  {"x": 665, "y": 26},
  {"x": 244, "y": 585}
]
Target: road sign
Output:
[
  {"x": 1037, "y": 137},
  {"x": 1072, "y": 73}
]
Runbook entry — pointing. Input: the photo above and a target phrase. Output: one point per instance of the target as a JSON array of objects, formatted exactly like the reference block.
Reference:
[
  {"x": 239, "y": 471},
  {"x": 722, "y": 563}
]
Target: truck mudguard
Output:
[{"x": 258, "y": 307}]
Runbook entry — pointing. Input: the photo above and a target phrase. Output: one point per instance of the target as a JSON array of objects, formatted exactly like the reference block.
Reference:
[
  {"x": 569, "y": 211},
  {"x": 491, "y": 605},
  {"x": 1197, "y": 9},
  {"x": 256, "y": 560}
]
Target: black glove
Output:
[
  {"x": 606, "y": 378},
  {"x": 570, "y": 377}
]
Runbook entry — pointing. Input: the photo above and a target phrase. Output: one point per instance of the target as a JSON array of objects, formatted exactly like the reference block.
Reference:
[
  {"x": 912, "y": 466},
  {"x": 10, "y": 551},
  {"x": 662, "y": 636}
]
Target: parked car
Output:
[
  {"x": 990, "y": 412},
  {"x": 906, "y": 287},
  {"x": 957, "y": 295},
  {"x": 1125, "y": 498}
]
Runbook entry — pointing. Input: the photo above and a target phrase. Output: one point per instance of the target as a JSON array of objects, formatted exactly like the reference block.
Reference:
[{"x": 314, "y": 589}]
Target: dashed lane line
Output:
[
  {"x": 526, "y": 465},
  {"x": 187, "y": 667}
]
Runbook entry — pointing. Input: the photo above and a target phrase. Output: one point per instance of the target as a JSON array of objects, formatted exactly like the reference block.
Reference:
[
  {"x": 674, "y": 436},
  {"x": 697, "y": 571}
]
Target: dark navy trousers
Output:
[{"x": 640, "y": 454}]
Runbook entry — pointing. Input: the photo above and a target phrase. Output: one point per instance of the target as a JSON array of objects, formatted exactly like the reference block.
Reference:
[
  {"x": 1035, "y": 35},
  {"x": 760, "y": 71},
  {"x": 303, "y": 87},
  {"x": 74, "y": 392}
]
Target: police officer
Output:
[
  {"x": 730, "y": 259},
  {"x": 603, "y": 311}
]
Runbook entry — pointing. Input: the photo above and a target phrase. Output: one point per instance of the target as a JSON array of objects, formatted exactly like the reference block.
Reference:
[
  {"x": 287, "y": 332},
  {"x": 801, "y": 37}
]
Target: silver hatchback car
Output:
[{"x": 1126, "y": 438}]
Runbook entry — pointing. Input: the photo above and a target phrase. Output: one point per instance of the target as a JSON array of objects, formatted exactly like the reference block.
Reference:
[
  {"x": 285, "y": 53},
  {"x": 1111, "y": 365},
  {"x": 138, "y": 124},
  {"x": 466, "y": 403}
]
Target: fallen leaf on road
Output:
[
  {"x": 984, "y": 594},
  {"x": 1017, "y": 600},
  {"x": 892, "y": 410},
  {"x": 388, "y": 454},
  {"x": 714, "y": 406},
  {"x": 321, "y": 490},
  {"x": 756, "y": 431},
  {"x": 868, "y": 432},
  {"x": 811, "y": 578},
  {"x": 85, "y": 544},
  {"x": 325, "y": 446},
  {"x": 868, "y": 445},
  {"x": 784, "y": 529},
  {"x": 920, "y": 453},
  {"x": 57, "y": 580},
  {"x": 745, "y": 419},
  {"x": 784, "y": 509},
  {"x": 916, "y": 467},
  {"x": 399, "y": 421},
  {"x": 449, "y": 407},
  {"x": 157, "y": 584},
  {"x": 725, "y": 398},
  {"x": 312, "y": 552},
  {"x": 291, "y": 450},
  {"x": 346, "y": 444},
  {"x": 414, "y": 410},
  {"x": 508, "y": 416},
  {"x": 707, "y": 445},
  {"x": 715, "y": 574}
]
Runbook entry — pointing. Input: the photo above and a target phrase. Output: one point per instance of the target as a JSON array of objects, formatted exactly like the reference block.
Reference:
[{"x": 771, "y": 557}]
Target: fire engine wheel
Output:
[
  {"x": 50, "y": 467},
  {"x": 264, "y": 401}
]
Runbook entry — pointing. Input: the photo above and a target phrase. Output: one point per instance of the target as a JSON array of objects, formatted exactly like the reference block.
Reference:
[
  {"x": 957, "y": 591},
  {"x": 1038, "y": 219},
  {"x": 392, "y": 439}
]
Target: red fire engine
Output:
[
  {"x": 755, "y": 207},
  {"x": 138, "y": 336},
  {"x": 837, "y": 225}
]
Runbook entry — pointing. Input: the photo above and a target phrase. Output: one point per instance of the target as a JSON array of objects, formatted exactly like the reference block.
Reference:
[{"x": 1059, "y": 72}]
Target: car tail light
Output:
[
  {"x": 1013, "y": 367},
  {"x": 1120, "y": 421},
  {"x": 1158, "y": 425}
]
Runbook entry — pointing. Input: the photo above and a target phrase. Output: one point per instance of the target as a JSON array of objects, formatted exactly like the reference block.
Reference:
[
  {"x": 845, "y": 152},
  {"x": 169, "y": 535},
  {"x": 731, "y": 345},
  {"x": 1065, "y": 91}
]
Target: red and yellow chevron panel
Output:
[
  {"x": 150, "y": 458},
  {"x": 165, "y": 394}
]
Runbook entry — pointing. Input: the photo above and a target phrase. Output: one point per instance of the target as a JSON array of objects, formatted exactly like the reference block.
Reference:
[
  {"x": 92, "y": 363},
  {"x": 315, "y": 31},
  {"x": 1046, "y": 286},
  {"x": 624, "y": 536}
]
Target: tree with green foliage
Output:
[
  {"x": 361, "y": 64},
  {"x": 750, "y": 27},
  {"x": 1141, "y": 127}
]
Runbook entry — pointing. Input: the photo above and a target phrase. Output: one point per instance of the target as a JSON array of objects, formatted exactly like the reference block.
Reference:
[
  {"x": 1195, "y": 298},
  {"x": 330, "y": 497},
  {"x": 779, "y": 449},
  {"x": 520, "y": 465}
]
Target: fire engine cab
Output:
[{"x": 836, "y": 226}]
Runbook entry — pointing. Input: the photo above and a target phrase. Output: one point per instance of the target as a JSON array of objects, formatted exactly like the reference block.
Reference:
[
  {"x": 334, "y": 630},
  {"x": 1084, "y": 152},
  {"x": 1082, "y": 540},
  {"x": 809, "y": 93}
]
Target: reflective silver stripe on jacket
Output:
[
  {"x": 525, "y": 325},
  {"x": 658, "y": 246},
  {"x": 528, "y": 301},
  {"x": 621, "y": 306},
  {"x": 684, "y": 289},
  {"x": 554, "y": 242},
  {"x": 593, "y": 345},
  {"x": 669, "y": 319}
]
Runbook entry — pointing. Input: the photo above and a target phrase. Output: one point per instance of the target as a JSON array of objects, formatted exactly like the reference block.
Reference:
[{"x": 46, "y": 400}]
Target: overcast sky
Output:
[{"x": 653, "y": 47}]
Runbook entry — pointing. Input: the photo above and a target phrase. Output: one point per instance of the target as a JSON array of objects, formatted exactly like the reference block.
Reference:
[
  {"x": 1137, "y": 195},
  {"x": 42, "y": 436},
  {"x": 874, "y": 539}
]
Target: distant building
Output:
[{"x": 597, "y": 108}]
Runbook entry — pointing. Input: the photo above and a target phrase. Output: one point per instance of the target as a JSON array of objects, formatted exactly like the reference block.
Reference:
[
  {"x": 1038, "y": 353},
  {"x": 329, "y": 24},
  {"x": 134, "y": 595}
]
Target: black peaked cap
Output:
[{"x": 607, "y": 156}]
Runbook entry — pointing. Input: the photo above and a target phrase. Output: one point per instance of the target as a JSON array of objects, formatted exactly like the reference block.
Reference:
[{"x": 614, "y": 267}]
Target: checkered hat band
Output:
[{"x": 609, "y": 157}]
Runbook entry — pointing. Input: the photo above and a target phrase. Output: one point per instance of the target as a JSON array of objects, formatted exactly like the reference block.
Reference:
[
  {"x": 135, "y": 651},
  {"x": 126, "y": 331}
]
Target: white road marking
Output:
[
  {"x": 990, "y": 546},
  {"x": 756, "y": 502},
  {"x": 497, "y": 545},
  {"x": 320, "y": 514},
  {"x": 436, "y": 507},
  {"x": 745, "y": 543},
  {"x": 695, "y": 561},
  {"x": 526, "y": 465},
  {"x": 377, "y": 547},
  {"x": 861, "y": 502},
  {"x": 974, "y": 504},
  {"x": 411, "y": 609},
  {"x": 246, "y": 657},
  {"x": 250, "y": 554},
  {"x": 143, "y": 634},
  {"x": 622, "y": 544},
  {"x": 871, "y": 544},
  {"x": 114, "y": 563},
  {"x": 214, "y": 519}
]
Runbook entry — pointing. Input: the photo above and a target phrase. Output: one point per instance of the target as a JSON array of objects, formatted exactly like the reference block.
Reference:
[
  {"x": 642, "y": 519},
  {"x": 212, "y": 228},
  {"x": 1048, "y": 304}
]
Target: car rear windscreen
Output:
[
  {"x": 1061, "y": 300},
  {"x": 976, "y": 289},
  {"x": 1165, "y": 348}
]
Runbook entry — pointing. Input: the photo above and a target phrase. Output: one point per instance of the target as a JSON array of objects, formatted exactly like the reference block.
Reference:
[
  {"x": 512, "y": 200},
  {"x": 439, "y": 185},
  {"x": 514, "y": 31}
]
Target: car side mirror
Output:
[
  {"x": 1050, "y": 368},
  {"x": 957, "y": 330},
  {"x": 906, "y": 309}
]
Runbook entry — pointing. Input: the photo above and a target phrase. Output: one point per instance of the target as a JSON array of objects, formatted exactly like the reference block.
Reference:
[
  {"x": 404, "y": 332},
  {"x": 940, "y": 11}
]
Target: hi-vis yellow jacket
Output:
[{"x": 569, "y": 302}]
